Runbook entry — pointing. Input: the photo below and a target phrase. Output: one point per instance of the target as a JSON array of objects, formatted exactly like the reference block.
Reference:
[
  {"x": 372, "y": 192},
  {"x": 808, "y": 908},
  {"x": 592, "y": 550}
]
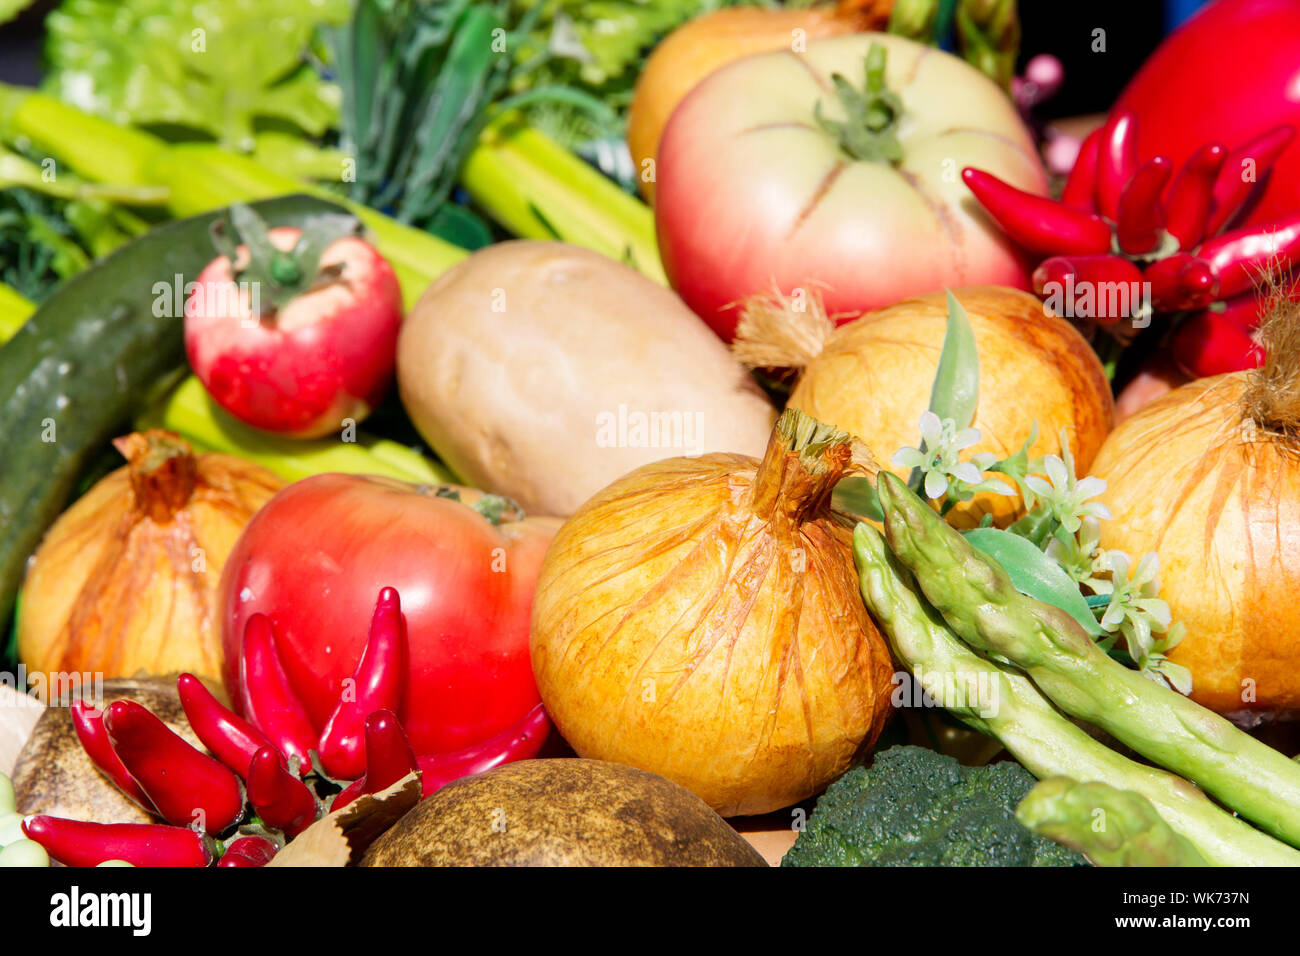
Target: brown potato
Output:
[
  {"x": 565, "y": 812},
  {"x": 543, "y": 371}
]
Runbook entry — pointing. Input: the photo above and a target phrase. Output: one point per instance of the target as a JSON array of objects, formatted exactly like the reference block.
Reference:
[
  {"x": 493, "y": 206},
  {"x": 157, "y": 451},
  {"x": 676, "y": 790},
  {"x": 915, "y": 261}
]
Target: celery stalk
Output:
[
  {"x": 14, "y": 311},
  {"x": 189, "y": 411},
  {"x": 539, "y": 190}
]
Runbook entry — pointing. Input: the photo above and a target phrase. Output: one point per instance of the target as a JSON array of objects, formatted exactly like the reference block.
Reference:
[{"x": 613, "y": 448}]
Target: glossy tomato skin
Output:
[
  {"x": 1228, "y": 74},
  {"x": 325, "y": 356},
  {"x": 752, "y": 193},
  {"x": 314, "y": 558}
]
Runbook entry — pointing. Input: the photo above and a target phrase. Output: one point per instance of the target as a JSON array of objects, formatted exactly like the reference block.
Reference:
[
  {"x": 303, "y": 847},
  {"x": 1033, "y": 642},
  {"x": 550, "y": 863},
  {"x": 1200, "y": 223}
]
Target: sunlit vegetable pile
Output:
[{"x": 626, "y": 418}]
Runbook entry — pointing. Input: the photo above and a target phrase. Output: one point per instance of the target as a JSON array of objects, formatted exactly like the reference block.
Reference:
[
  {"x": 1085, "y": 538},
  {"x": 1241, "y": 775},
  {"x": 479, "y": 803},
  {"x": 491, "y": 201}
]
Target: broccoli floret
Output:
[{"x": 916, "y": 807}]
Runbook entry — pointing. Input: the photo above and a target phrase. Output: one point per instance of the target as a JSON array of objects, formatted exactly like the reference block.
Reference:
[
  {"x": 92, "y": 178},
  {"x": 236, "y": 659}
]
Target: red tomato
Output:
[
  {"x": 325, "y": 355},
  {"x": 314, "y": 558},
  {"x": 753, "y": 192},
  {"x": 1228, "y": 74}
]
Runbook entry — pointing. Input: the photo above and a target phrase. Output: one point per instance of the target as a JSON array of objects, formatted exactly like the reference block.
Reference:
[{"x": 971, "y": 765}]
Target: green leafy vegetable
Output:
[
  {"x": 216, "y": 66},
  {"x": 915, "y": 807},
  {"x": 955, "y": 392},
  {"x": 1035, "y": 574}
]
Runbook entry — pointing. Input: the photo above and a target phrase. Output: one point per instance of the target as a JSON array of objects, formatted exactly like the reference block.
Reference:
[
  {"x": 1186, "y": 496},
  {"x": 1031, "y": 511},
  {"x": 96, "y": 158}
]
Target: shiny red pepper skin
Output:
[
  {"x": 1180, "y": 282},
  {"x": 88, "y": 722},
  {"x": 1039, "y": 224},
  {"x": 228, "y": 737},
  {"x": 248, "y": 851},
  {"x": 1072, "y": 274},
  {"x": 1208, "y": 343},
  {"x": 389, "y": 758},
  {"x": 1240, "y": 258},
  {"x": 185, "y": 785},
  {"x": 519, "y": 742},
  {"x": 1140, "y": 220},
  {"x": 279, "y": 798},
  {"x": 1191, "y": 196},
  {"x": 267, "y": 698},
  {"x": 378, "y": 684},
  {"x": 76, "y": 843},
  {"x": 1081, "y": 186},
  {"x": 1117, "y": 161},
  {"x": 1231, "y": 189}
]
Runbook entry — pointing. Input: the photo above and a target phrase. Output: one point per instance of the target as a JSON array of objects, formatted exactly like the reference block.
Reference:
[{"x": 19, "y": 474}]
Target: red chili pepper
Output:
[
  {"x": 389, "y": 758},
  {"x": 1039, "y": 224},
  {"x": 1181, "y": 281},
  {"x": 1081, "y": 186},
  {"x": 378, "y": 684},
  {"x": 185, "y": 785},
  {"x": 1233, "y": 186},
  {"x": 1117, "y": 161},
  {"x": 1191, "y": 196},
  {"x": 268, "y": 699},
  {"x": 1140, "y": 220},
  {"x": 88, "y": 722},
  {"x": 76, "y": 843},
  {"x": 519, "y": 742},
  {"x": 1096, "y": 277},
  {"x": 1208, "y": 343},
  {"x": 229, "y": 737},
  {"x": 1240, "y": 257},
  {"x": 278, "y": 797},
  {"x": 1243, "y": 311},
  {"x": 248, "y": 851}
]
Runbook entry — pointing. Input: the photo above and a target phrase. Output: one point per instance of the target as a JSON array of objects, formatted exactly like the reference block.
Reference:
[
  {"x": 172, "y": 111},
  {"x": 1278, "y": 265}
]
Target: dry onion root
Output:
[
  {"x": 124, "y": 583},
  {"x": 699, "y": 618},
  {"x": 1208, "y": 477},
  {"x": 872, "y": 376}
]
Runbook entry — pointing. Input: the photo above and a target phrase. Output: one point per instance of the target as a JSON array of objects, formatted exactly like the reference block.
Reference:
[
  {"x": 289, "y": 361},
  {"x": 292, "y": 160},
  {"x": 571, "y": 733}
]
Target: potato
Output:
[
  {"x": 543, "y": 372},
  {"x": 565, "y": 812}
]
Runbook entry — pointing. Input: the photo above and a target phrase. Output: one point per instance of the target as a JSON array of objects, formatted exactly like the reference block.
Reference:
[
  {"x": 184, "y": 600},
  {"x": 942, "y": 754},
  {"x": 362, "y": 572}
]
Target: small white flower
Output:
[{"x": 938, "y": 458}]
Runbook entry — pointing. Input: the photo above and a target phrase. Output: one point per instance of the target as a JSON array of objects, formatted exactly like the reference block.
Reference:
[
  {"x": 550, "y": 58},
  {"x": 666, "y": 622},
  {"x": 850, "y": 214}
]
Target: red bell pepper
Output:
[
  {"x": 187, "y": 787},
  {"x": 378, "y": 684},
  {"x": 88, "y": 722},
  {"x": 76, "y": 843}
]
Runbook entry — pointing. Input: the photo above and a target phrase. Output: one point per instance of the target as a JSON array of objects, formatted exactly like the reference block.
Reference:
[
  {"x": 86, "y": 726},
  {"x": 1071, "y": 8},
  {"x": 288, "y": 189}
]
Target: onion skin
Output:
[
  {"x": 674, "y": 631},
  {"x": 125, "y": 589},
  {"x": 1219, "y": 502},
  {"x": 873, "y": 380}
]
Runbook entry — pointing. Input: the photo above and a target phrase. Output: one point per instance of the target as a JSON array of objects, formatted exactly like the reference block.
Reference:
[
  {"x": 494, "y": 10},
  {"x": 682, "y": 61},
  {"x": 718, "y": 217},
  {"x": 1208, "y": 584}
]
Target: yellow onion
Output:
[
  {"x": 708, "y": 42},
  {"x": 699, "y": 618},
  {"x": 872, "y": 376},
  {"x": 1208, "y": 477},
  {"x": 125, "y": 582}
]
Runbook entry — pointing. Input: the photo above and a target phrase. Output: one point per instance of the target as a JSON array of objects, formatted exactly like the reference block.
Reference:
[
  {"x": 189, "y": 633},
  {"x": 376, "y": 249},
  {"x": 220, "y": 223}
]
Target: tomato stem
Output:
[{"x": 869, "y": 131}]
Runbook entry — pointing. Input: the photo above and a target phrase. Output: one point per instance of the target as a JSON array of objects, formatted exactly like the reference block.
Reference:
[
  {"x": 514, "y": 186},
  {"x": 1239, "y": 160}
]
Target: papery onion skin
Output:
[
  {"x": 1218, "y": 500},
  {"x": 873, "y": 380},
  {"x": 122, "y": 590},
  {"x": 674, "y": 630}
]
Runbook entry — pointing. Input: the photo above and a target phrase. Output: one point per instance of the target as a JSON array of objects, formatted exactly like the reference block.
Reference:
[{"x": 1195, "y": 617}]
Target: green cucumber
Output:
[{"x": 92, "y": 357}]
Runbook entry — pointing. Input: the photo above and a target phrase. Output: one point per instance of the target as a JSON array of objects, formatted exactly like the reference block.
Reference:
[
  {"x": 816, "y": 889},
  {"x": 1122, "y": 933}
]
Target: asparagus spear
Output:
[
  {"x": 1111, "y": 827},
  {"x": 1035, "y": 733},
  {"x": 979, "y": 603}
]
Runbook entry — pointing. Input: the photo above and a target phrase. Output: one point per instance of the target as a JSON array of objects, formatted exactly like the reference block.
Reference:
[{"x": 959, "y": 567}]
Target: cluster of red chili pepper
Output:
[
  {"x": 1123, "y": 222},
  {"x": 257, "y": 774}
]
